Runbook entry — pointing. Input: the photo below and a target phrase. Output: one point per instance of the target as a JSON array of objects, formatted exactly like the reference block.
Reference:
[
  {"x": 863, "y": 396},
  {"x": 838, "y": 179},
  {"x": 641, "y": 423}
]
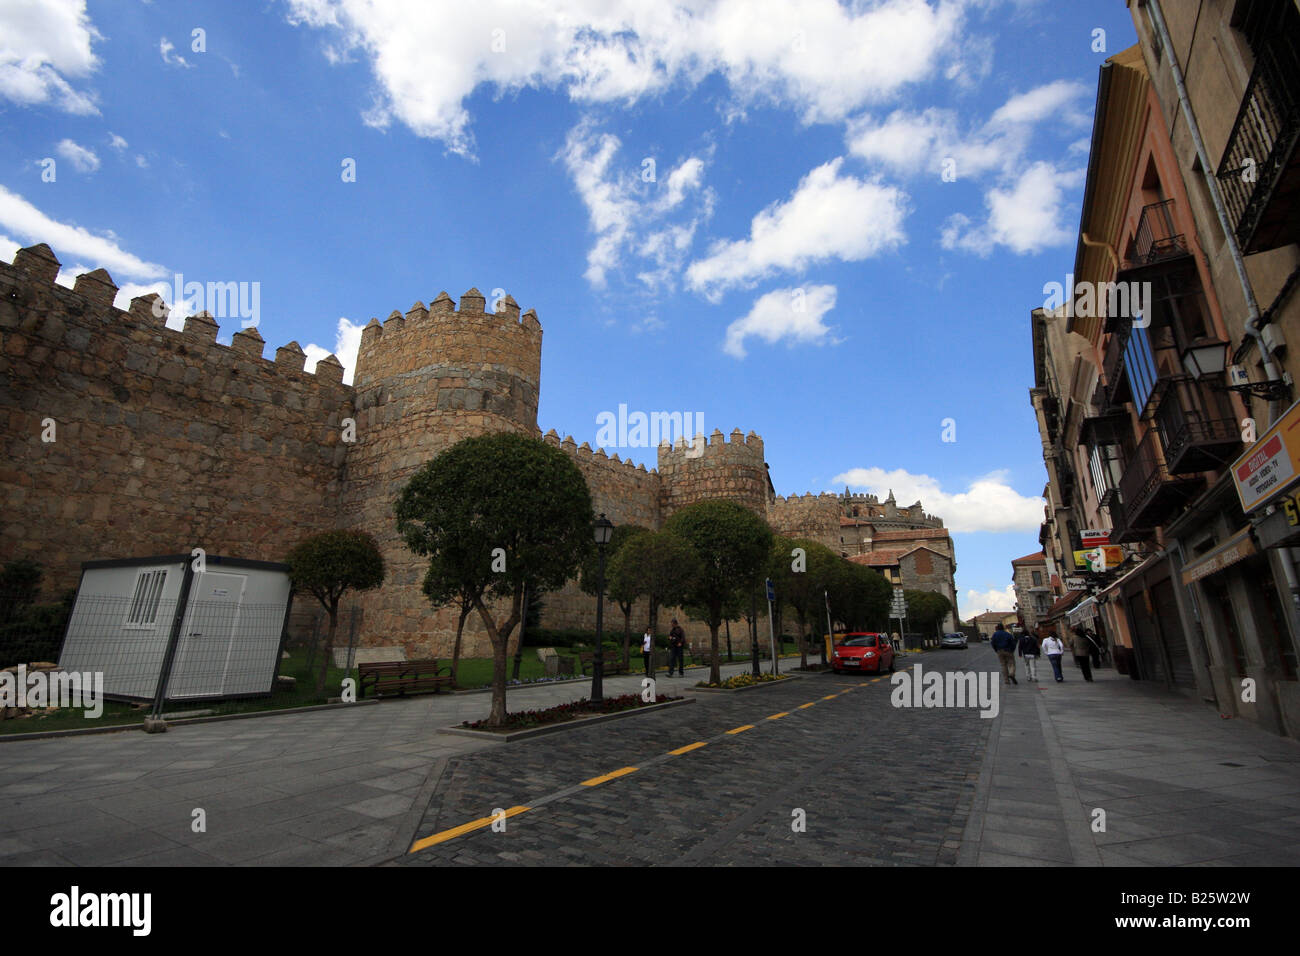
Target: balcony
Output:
[
  {"x": 1148, "y": 495},
  {"x": 1197, "y": 430},
  {"x": 1112, "y": 367},
  {"x": 1157, "y": 239},
  {"x": 1260, "y": 170}
]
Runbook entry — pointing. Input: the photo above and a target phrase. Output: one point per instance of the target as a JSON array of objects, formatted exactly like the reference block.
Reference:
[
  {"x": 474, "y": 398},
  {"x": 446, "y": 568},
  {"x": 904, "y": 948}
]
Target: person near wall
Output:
[
  {"x": 1054, "y": 650},
  {"x": 1005, "y": 646},
  {"x": 1028, "y": 650},
  {"x": 647, "y": 650},
  {"x": 677, "y": 649},
  {"x": 1082, "y": 650}
]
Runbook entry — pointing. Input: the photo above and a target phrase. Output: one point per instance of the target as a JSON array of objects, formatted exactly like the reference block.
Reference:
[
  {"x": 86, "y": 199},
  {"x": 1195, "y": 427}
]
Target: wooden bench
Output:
[
  {"x": 612, "y": 662},
  {"x": 386, "y": 677}
]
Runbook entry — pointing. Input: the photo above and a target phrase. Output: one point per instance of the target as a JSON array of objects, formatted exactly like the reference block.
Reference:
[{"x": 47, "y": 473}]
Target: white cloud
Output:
[
  {"x": 1056, "y": 100},
  {"x": 1027, "y": 217},
  {"x": 347, "y": 343},
  {"x": 42, "y": 44},
  {"x": 987, "y": 504},
  {"x": 82, "y": 159},
  {"x": 793, "y": 314},
  {"x": 912, "y": 143},
  {"x": 170, "y": 56},
  {"x": 627, "y": 212},
  {"x": 21, "y": 217},
  {"x": 819, "y": 58},
  {"x": 828, "y": 216},
  {"x": 141, "y": 161},
  {"x": 971, "y": 602},
  {"x": 117, "y": 142}
]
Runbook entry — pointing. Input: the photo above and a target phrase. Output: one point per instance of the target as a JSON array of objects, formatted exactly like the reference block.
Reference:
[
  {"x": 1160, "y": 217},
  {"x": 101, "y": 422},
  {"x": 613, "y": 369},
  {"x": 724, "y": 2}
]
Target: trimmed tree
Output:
[
  {"x": 927, "y": 608},
  {"x": 328, "y": 565},
  {"x": 657, "y": 565},
  {"x": 733, "y": 545},
  {"x": 463, "y": 510},
  {"x": 802, "y": 589}
]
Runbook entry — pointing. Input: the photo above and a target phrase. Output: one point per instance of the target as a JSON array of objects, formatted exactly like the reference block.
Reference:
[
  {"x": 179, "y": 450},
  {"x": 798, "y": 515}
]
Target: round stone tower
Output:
[
  {"x": 716, "y": 469},
  {"x": 424, "y": 381}
]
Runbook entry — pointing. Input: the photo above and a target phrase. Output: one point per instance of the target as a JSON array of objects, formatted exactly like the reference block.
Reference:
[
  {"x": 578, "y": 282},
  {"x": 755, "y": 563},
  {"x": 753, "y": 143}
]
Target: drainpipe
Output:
[{"x": 1230, "y": 236}]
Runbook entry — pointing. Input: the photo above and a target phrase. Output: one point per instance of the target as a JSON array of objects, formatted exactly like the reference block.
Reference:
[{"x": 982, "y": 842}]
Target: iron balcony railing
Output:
[
  {"x": 1157, "y": 236},
  {"x": 1263, "y": 138},
  {"x": 1112, "y": 366},
  {"x": 1196, "y": 429},
  {"x": 1144, "y": 473}
]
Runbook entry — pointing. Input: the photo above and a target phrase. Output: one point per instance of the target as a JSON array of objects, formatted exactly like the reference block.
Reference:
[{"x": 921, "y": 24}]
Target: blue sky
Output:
[{"x": 826, "y": 223}]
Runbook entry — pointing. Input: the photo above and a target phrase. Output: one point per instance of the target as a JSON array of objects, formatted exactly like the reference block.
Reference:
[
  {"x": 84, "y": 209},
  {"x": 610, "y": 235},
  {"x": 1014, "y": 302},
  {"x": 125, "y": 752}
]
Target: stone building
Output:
[
  {"x": 1034, "y": 598},
  {"x": 125, "y": 438}
]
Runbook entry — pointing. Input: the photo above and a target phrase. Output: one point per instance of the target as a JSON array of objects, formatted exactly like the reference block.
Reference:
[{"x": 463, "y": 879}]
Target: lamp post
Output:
[
  {"x": 753, "y": 629},
  {"x": 604, "y": 530}
]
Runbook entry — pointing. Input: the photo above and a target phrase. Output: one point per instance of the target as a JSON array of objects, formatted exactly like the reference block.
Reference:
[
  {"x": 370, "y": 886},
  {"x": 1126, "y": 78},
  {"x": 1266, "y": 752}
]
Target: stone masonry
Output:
[{"x": 124, "y": 438}]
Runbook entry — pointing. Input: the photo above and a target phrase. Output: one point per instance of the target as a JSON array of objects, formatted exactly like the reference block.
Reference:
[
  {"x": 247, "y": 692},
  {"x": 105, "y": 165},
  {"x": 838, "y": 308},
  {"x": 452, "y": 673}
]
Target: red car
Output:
[{"x": 863, "y": 652}]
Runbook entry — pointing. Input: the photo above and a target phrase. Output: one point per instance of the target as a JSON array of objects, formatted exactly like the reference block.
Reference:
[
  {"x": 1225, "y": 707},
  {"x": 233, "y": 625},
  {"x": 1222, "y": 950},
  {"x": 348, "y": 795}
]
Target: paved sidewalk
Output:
[
  {"x": 336, "y": 787},
  {"x": 1178, "y": 784}
]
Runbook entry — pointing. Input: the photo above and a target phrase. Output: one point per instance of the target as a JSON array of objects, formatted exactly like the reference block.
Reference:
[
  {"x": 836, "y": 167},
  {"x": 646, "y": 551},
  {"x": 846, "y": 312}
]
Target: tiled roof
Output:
[
  {"x": 908, "y": 535},
  {"x": 1036, "y": 558},
  {"x": 881, "y": 557}
]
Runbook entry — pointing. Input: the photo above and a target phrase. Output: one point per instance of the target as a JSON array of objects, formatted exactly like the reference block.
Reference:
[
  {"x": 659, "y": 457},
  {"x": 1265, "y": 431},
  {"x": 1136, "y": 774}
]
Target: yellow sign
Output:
[
  {"x": 1099, "y": 559},
  {"x": 1271, "y": 464}
]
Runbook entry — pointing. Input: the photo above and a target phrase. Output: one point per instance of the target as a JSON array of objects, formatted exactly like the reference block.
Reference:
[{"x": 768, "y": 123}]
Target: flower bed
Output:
[
  {"x": 744, "y": 680},
  {"x": 573, "y": 710}
]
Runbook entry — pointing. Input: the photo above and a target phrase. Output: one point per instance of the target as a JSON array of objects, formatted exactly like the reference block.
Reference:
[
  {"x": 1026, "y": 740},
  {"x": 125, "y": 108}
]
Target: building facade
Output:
[{"x": 1185, "y": 266}]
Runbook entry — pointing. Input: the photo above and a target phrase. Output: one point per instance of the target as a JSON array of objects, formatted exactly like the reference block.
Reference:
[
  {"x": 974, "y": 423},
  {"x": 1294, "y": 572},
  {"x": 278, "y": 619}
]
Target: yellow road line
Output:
[
  {"x": 688, "y": 748},
  {"x": 802, "y": 706},
  {"x": 741, "y": 729},
  {"x": 784, "y": 713},
  {"x": 464, "y": 828},
  {"x": 597, "y": 781},
  {"x": 830, "y": 696}
]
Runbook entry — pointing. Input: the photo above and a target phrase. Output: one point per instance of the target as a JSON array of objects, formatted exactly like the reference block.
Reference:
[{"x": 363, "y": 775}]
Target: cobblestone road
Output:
[{"x": 875, "y": 784}]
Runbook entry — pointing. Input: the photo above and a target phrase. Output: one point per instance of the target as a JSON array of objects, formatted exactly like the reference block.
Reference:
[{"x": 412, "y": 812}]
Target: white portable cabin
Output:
[{"x": 208, "y": 634}]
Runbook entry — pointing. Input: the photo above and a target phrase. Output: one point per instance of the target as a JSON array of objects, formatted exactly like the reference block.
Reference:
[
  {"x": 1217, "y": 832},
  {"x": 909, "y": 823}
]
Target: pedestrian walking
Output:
[
  {"x": 677, "y": 649},
  {"x": 1082, "y": 646},
  {"x": 1094, "y": 647},
  {"x": 1028, "y": 650},
  {"x": 1005, "y": 646},
  {"x": 1053, "y": 648},
  {"x": 647, "y": 650}
]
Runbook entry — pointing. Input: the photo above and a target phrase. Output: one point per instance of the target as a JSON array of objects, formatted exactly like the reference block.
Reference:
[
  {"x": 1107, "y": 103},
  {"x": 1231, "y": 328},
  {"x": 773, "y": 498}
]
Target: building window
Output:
[
  {"x": 143, "y": 611},
  {"x": 1038, "y": 579},
  {"x": 1141, "y": 366}
]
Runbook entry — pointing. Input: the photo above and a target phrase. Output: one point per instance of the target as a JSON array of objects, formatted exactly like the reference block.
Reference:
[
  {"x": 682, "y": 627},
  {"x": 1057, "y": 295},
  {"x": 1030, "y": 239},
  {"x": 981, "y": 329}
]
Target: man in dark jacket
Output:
[
  {"x": 1005, "y": 645},
  {"x": 677, "y": 649},
  {"x": 1028, "y": 649}
]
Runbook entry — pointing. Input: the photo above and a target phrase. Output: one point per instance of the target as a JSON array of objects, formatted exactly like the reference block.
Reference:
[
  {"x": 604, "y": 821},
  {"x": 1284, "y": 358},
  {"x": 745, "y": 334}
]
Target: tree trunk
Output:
[
  {"x": 715, "y": 666},
  {"x": 329, "y": 648},
  {"x": 499, "y": 638},
  {"x": 627, "y": 635},
  {"x": 455, "y": 649},
  {"x": 802, "y": 619}
]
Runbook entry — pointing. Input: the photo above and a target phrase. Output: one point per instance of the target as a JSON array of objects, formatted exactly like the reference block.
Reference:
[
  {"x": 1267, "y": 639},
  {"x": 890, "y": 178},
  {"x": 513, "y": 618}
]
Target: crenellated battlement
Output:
[
  {"x": 51, "y": 311},
  {"x": 469, "y": 335}
]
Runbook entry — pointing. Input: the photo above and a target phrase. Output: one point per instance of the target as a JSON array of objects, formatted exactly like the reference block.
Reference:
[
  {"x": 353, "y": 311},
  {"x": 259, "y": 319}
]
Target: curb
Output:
[
  {"x": 47, "y": 734},
  {"x": 489, "y": 735}
]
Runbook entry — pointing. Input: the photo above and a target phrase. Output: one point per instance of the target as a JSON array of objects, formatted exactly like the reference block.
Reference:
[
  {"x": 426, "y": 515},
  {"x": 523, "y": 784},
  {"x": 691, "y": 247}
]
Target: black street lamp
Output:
[
  {"x": 604, "y": 530},
  {"x": 753, "y": 627}
]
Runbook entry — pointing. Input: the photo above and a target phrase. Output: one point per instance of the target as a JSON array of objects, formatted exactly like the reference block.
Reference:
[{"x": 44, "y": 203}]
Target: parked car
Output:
[
  {"x": 862, "y": 651},
  {"x": 953, "y": 639}
]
